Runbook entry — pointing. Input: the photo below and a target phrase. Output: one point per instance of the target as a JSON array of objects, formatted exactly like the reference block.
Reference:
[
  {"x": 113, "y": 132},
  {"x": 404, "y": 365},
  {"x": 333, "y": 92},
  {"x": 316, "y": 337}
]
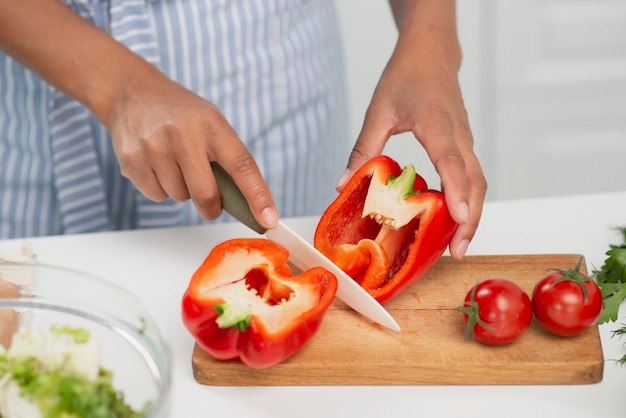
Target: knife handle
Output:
[{"x": 233, "y": 201}]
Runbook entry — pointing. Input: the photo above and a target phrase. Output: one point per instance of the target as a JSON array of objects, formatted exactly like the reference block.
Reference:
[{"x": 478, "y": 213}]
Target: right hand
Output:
[{"x": 165, "y": 137}]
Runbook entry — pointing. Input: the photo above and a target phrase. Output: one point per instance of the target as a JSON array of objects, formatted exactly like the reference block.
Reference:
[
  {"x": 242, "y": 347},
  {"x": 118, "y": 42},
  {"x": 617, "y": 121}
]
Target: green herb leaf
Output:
[
  {"x": 620, "y": 332},
  {"x": 611, "y": 279},
  {"x": 613, "y": 294},
  {"x": 614, "y": 269}
]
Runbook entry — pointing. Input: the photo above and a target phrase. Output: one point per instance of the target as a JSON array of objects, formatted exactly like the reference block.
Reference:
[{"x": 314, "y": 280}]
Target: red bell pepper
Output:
[
  {"x": 386, "y": 229},
  {"x": 243, "y": 302}
]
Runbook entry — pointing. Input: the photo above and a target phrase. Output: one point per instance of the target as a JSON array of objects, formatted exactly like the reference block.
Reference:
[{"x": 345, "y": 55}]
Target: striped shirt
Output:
[{"x": 273, "y": 67}]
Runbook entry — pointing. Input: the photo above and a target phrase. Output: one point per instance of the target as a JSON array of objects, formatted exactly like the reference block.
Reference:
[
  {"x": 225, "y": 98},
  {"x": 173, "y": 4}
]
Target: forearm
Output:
[
  {"x": 427, "y": 31},
  {"x": 69, "y": 52},
  {"x": 164, "y": 135}
]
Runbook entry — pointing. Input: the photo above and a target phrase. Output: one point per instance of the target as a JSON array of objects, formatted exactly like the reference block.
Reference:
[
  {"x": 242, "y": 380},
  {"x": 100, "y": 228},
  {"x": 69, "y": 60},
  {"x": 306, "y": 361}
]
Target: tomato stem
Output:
[
  {"x": 471, "y": 308},
  {"x": 574, "y": 275}
]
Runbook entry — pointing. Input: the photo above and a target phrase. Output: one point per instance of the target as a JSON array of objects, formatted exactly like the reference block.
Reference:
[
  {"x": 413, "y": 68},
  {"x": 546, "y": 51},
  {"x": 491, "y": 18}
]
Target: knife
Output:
[{"x": 302, "y": 254}]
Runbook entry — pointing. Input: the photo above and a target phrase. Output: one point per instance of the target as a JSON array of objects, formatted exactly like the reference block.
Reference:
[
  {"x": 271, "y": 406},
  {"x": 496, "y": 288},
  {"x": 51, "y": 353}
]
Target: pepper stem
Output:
[
  {"x": 386, "y": 202},
  {"x": 231, "y": 317}
]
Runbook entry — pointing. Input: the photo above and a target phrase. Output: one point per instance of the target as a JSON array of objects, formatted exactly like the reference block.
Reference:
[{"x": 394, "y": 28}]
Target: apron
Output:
[{"x": 273, "y": 67}]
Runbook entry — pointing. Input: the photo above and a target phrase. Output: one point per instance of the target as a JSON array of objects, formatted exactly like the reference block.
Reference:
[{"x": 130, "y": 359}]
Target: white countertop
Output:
[{"x": 157, "y": 264}]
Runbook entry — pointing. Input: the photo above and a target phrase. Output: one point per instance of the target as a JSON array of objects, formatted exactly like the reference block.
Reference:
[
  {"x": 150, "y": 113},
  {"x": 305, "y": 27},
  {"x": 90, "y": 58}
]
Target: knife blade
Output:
[{"x": 302, "y": 254}]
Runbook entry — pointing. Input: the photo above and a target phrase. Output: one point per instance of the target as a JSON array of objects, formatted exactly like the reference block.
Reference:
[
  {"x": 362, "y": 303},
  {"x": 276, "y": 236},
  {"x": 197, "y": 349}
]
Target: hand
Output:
[
  {"x": 165, "y": 138},
  {"x": 419, "y": 92},
  {"x": 164, "y": 135}
]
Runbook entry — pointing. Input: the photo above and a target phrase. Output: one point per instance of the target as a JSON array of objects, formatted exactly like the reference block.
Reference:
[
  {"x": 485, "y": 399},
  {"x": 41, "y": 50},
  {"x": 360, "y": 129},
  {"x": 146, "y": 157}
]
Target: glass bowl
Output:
[{"x": 132, "y": 344}]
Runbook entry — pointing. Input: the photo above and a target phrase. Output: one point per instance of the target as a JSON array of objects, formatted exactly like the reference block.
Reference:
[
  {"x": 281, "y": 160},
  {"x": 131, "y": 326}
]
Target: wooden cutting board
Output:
[{"x": 431, "y": 348}]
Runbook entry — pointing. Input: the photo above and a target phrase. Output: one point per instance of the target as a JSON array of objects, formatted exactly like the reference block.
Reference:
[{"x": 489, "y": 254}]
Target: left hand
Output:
[{"x": 419, "y": 92}]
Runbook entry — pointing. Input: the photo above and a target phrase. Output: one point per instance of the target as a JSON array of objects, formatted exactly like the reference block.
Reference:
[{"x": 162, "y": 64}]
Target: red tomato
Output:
[
  {"x": 496, "y": 311},
  {"x": 567, "y": 302}
]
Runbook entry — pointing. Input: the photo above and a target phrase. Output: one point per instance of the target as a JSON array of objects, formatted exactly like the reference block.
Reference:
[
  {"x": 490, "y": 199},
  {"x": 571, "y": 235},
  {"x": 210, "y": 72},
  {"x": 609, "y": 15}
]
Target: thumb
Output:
[{"x": 370, "y": 143}]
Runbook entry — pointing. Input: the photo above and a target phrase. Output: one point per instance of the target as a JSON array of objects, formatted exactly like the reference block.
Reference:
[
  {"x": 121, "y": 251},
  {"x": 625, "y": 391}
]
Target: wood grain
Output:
[{"x": 431, "y": 348}]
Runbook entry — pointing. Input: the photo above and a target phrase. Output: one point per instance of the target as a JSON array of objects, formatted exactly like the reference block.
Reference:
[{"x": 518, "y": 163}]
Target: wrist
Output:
[
  {"x": 128, "y": 80},
  {"x": 427, "y": 33}
]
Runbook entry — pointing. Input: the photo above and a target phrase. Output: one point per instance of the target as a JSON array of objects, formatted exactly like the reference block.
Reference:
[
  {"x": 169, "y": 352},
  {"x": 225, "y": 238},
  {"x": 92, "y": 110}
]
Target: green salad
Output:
[{"x": 57, "y": 375}]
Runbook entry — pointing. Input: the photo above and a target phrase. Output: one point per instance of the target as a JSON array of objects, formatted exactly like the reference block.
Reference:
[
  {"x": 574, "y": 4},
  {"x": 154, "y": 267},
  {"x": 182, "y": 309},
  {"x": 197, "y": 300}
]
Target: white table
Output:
[{"x": 157, "y": 265}]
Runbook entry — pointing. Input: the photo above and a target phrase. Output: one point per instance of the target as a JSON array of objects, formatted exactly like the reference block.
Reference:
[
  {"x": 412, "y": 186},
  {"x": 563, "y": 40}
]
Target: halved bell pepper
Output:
[
  {"x": 243, "y": 302},
  {"x": 386, "y": 229}
]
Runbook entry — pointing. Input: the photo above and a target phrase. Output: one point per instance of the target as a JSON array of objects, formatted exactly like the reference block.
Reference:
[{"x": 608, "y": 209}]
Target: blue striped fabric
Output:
[
  {"x": 274, "y": 68},
  {"x": 77, "y": 180}
]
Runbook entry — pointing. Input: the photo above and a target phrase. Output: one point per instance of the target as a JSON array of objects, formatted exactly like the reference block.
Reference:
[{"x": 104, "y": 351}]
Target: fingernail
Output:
[
  {"x": 461, "y": 248},
  {"x": 343, "y": 179},
  {"x": 270, "y": 217},
  {"x": 463, "y": 211}
]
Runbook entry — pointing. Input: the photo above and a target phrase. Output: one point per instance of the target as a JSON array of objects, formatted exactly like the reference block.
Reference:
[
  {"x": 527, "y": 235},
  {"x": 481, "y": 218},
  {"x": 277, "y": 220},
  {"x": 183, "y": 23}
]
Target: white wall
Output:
[{"x": 544, "y": 83}]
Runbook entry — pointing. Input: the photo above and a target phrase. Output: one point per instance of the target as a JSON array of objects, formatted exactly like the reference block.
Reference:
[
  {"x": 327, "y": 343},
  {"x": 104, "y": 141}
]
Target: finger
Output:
[
  {"x": 477, "y": 190},
  {"x": 171, "y": 179},
  {"x": 247, "y": 175},
  {"x": 203, "y": 190},
  {"x": 144, "y": 179},
  {"x": 451, "y": 170},
  {"x": 450, "y": 147},
  {"x": 448, "y": 157},
  {"x": 198, "y": 179},
  {"x": 236, "y": 159},
  {"x": 155, "y": 172},
  {"x": 370, "y": 143}
]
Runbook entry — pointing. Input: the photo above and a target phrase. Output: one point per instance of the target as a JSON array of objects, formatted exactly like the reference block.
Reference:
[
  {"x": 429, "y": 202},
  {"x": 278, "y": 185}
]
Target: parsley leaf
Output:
[
  {"x": 613, "y": 294},
  {"x": 619, "y": 332},
  {"x": 612, "y": 280}
]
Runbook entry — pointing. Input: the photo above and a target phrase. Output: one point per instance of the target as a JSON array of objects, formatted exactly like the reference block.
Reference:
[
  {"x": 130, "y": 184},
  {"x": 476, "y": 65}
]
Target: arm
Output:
[
  {"x": 164, "y": 135},
  {"x": 419, "y": 92}
]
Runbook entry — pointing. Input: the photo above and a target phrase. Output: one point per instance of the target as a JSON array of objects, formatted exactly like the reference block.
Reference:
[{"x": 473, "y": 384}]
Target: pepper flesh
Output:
[
  {"x": 386, "y": 229},
  {"x": 243, "y": 302}
]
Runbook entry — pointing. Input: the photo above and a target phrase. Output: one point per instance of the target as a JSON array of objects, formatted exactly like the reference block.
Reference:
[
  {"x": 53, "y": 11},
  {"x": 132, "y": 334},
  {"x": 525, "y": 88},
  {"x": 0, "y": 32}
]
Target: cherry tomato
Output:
[
  {"x": 567, "y": 302},
  {"x": 496, "y": 311}
]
